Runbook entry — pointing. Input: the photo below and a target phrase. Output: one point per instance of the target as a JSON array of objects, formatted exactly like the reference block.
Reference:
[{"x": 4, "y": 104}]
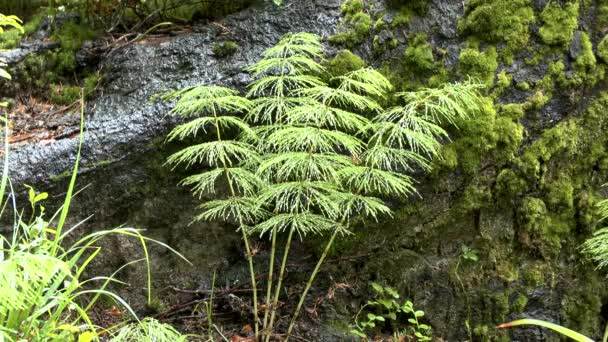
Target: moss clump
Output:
[
  {"x": 524, "y": 86},
  {"x": 559, "y": 23},
  {"x": 479, "y": 65},
  {"x": 64, "y": 95},
  {"x": 498, "y": 21},
  {"x": 418, "y": 6},
  {"x": 474, "y": 198},
  {"x": 344, "y": 62},
  {"x": 402, "y": 18},
  {"x": 225, "y": 49},
  {"x": 419, "y": 54},
  {"x": 586, "y": 60},
  {"x": 519, "y": 304},
  {"x": 560, "y": 195},
  {"x": 357, "y": 30},
  {"x": 509, "y": 135},
  {"x": 503, "y": 81},
  {"x": 9, "y": 39},
  {"x": 602, "y": 49},
  {"x": 379, "y": 48},
  {"x": 71, "y": 35},
  {"x": 509, "y": 185},
  {"x": 533, "y": 214},
  {"x": 537, "y": 101},
  {"x": 351, "y": 7}
]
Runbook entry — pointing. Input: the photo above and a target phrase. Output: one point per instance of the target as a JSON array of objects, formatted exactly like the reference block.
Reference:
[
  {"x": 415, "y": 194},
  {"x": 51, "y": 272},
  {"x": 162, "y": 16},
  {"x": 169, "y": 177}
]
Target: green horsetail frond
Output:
[
  {"x": 445, "y": 104},
  {"x": 394, "y": 159},
  {"x": 283, "y": 85},
  {"x": 396, "y": 136},
  {"x": 312, "y": 139},
  {"x": 244, "y": 210},
  {"x": 320, "y": 115},
  {"x": 244, "y": 181},
  {"x": 214, "y": 154},
  {"x": 367, "y": 180},
  {"x": 295, "y": 44},
  {"x": 301, "y": 196},
  {"x": 352, "y": 205},
  {"x": 365, "y": 81},
  {"x": 303, "y": 166},
  {"x": 148, "y": 329},
  {"x": 342, "y": 98},
  {"x": 206, "y": 100},
  {"x": 301, "y": 223},
  {"x": 192, "y": 128},
  {"x": 268, "y": 110}
]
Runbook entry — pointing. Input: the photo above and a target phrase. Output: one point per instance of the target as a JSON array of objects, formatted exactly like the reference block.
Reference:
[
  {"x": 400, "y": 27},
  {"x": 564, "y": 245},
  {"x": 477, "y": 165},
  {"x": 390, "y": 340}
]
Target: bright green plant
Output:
[
  {"x": 14, "y": 22},
  {"x": 597, "y": 246},
  {"x": 42, "y": 294},
  {"x": 386, "y": 308},
  {"x": 562, "y": 330},
  {"x": 148, "y": 330},
  {"x": 317, "y": 152}
]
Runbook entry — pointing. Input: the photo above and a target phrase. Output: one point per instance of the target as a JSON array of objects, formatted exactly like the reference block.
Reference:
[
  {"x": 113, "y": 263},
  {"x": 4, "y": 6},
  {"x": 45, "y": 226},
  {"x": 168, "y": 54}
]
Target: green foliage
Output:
[
  {"x": 225, "y": 49},
  {"x": 15, "y": 23},
  {"x": 148, "y": 329},
  {"x": 602, "y": 49},
  {"x": 344, "y": 62},
  {"x": 586, "y": 61},
  {"x": 64, "y": 95},
  {"x": 357, "y": 30},
  {"x": 479, "y": 65},
  {"x": 42, "y": 294},
  {"x": 10, "y": 39},
  {"x": 71, "y": 35},
  {"x": 419, "y": 54},
  {"x": 499, "y": 21},
  {"x": 418, "y": 6},
  {"x": 385, "y": 309},
  {"x": 597, "y": 246},
  {"x": 559, "y": 22},
  {"x": 310, "y": 155}
]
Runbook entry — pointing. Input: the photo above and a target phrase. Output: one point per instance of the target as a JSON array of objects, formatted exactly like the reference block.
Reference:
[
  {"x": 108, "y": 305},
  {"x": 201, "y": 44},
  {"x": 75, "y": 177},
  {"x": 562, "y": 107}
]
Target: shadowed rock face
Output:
[{"x": 416, "y": 252}]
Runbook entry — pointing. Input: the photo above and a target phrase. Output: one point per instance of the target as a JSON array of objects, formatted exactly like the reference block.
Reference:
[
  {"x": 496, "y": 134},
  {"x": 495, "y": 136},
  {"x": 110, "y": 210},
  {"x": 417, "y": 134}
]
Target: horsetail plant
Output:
[
  {"x": 229, "y": 160},
  {"x": 319, "y": 151}
]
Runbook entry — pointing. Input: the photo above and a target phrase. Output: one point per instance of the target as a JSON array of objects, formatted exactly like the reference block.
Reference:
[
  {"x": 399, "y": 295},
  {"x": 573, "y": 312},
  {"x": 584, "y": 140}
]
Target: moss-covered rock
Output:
[
  {"x": 479, "y": 65},
  {"x": 499, "y": 21},
  {"x": 602, "y": 49},
  {"x": 419, "y": 54},
  {"x": 559, "y": 22},
  {"x": 345, "y": 61},
  {"x": 357, "y": 30},
  {"x": 225, "y": 48}
]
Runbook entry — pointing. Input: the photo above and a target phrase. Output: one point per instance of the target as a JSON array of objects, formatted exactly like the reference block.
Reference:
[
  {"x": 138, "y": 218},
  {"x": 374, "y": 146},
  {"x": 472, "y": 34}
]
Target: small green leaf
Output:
[
  {"x": 418, "y": 334},
  {"x": 41, "y": 197},
  {"x": 371, "y": 316},
  {"x": 391, "y": 292},
  {"x": 277, "y": 2},
  {"x": 392, "y": 316},
  {"x": 377, "y": 288},
  {"x": 411, "y": 320},
  {"x": 358, "y": 333},
  {"x": 423, "y": 327},
  {"x": 419, "y": 313}
]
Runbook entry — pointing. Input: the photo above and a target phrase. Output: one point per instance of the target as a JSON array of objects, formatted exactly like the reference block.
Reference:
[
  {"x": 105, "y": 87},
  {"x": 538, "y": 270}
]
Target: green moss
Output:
[
  {"x": 64, "y": 95},
  {"x": 509, "y": 185},
  {"x": 10, "y": 39},
  {"x": 503, "y": 81},
  {"x": 525, "y": 86},
  {"x": 344, "y": 62},
  {"x": 418, "y": 6},
  {"x": 586, "y": 61},
  {"x": 225, "y": 49},
  {"x": 448, "y": 158},
  {"x": 499, "y": 21},
  {"x": 602, "y": 15},
  {"x": 560, "y": 195},
  {"x": 72, "y": 35},
  {"x": 509, "y": 135},
  {"x": 475, "y": 198},
  {"x": 536, "y": 102},
  {"x": 402, "y": 18},
  {"x": 519, "y": 304},
  {"x": 533, "y": 213},
  {"x": 419, "y": 54},
  {"x": 507, "y": 271},
  {"x": 581, "y": 309},
  {"x": 357, "y": 31},
  {"x": 90, "y": 84},
  {"x": 380, "y": 48},
  {"x": 352, "y": 7},
  {"x": 479, "y": 65},
  {"x": 602, "y": 49},
  {"x": 559, "y": 23},
  {"x": 534, "y": 275}
]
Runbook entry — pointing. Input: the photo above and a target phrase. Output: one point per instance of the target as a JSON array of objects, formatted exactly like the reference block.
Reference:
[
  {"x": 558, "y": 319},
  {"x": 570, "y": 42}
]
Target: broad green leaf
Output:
[{"x": 562, "y": 330}]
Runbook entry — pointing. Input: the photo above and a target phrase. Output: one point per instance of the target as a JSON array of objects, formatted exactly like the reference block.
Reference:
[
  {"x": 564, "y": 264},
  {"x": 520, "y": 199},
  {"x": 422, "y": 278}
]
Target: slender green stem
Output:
[
  {"x": 210, "y": 309},
  {"x": 605, "y": 339},
  {"x": 277, "y": 290},
  {"x": 309, "y": 283},
  {"x": 269, "y": 287},
  {"x": 245, "y": 240}
]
